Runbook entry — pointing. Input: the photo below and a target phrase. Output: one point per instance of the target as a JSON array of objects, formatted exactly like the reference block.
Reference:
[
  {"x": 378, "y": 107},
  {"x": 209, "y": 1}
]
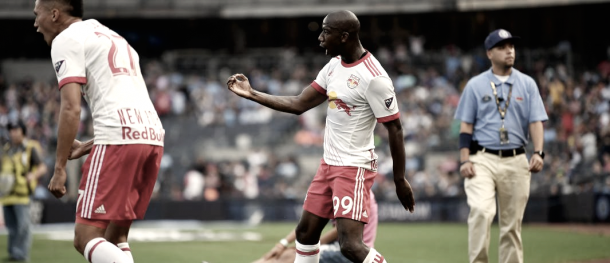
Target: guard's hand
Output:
[
  {"x": 536, "y": 163},
  {"x": 240, "y": 85},
  {"x": 77, "y": 150},
  {"x": 467, "y": 170},
  {"x": 275, "y": 252},
  {"x": 405, "y": 194},
  {"x": 57, "y": 185}
]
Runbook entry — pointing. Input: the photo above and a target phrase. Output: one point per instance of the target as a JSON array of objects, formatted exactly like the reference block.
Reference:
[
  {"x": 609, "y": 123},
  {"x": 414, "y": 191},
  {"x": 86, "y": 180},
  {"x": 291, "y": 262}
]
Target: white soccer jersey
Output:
[
  {"x": 359, "y": 95},
  {"x": 108, "y": 69}
]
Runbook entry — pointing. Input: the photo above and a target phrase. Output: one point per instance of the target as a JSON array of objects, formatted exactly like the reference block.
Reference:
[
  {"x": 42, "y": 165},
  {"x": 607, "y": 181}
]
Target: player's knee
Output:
[{"x": 303, "y": 235}]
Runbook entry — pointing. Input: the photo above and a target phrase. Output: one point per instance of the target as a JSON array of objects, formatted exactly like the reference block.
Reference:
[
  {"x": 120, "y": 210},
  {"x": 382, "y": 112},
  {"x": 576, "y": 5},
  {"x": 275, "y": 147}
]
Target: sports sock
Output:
[
  {"x": 98, "y": 250},
  {"x": 125, "y": 248},
  {"x": 374, "y": 257},
  {"x": 307, "y": 253}
]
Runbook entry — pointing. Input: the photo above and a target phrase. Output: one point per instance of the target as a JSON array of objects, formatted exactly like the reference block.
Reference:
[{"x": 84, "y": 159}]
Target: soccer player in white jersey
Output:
[
  {"x": 118, "y": 177},
  {"x": 359, "y": 94}
]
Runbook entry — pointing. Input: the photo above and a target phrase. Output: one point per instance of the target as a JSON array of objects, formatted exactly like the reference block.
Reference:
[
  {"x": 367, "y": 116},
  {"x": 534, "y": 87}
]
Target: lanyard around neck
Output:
[{"x": 500, "y": 110}]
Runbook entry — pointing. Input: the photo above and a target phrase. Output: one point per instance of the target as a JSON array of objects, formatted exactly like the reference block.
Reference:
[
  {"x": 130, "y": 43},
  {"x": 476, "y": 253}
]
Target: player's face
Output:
[
  {"x": 43, "y": 21},
  {"x": 330, "y": 38},
  {"x": 502, "y": 54}
]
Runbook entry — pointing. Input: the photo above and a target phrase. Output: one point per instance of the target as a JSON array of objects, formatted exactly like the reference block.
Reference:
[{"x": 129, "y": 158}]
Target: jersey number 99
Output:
[{"x": 346, "y": 203}]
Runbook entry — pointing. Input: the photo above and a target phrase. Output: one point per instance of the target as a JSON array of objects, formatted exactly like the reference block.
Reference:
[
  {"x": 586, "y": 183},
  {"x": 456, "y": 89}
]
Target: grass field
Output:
[{"x": 408, "y": 242}]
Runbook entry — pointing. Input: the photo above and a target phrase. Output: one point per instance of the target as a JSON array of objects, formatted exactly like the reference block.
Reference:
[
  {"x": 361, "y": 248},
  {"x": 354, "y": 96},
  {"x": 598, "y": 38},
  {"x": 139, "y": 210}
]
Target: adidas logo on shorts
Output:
[
  {"x": 365, "y": 214},
  {"x": 100, "y": 210}
]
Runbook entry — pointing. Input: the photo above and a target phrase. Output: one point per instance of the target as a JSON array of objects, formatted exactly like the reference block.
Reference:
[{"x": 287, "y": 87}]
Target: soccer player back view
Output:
[
  {"x": 359, "y": 94},
  {"x": 118, "y": 178}
]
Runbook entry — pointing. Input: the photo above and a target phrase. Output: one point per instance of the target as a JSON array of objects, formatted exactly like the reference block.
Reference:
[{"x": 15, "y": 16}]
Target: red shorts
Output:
[
  {"x": 117, "y": 183},
  {"x": 340, "y": 192}
]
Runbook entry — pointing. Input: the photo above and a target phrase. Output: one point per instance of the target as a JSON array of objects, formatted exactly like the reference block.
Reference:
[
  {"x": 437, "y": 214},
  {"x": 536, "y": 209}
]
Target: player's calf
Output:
[{"x": 354, "y": 251}]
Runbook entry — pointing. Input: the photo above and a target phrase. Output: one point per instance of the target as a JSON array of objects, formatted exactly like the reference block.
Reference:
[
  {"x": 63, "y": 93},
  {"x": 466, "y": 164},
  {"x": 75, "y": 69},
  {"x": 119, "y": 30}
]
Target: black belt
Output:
[{"x": 502, "y": 153}]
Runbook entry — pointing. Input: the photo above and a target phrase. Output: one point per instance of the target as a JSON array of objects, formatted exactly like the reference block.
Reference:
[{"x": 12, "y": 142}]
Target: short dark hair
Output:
[
  {"x": 17, "y": 125},
  {"x": 72, "y": 7}
]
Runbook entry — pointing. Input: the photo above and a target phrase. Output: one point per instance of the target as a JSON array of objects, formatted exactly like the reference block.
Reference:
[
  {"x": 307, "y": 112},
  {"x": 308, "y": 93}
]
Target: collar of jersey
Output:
[{"x": 368, "y": 54}]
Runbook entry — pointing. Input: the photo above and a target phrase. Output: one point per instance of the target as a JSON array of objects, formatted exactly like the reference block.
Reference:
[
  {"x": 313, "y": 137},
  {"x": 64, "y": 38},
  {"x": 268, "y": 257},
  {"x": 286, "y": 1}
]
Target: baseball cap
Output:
[{"x": 498, "y": 36}]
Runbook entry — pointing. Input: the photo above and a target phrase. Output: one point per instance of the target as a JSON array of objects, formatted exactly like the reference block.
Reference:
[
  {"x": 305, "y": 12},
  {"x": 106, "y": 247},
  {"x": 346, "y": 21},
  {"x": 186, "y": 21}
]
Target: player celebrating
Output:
[
  {"x": 359, "y": 93},
  {"x": 118, "y": 178}
]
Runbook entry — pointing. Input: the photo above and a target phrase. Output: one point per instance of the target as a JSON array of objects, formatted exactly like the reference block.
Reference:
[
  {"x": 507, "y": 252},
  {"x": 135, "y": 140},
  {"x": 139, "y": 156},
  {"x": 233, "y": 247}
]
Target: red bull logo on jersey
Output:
[
  {"x": 353, "y": 82},
  {"x": 335, "y": 103}
]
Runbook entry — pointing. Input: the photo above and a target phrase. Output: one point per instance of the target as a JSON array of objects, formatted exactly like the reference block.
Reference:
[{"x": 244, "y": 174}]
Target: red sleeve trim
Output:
[
  {"x": 318, "y": 87},
  {"x": 79, "y": 80},
  {"x": 389, "y": 118}
]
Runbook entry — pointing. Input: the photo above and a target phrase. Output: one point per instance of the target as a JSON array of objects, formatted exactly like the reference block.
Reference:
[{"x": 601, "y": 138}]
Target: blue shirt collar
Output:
[{"x": 510, "y": 81}]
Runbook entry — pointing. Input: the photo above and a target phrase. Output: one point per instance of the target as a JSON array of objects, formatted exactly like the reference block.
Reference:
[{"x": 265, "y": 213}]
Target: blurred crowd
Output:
[{"x": 428, "y": 86}]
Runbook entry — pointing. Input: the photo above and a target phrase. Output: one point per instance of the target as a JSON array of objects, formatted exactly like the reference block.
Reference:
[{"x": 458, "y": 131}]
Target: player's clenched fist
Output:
[
  {"x": 57, "y": 185},
  {"x": 240, "y": 85}
]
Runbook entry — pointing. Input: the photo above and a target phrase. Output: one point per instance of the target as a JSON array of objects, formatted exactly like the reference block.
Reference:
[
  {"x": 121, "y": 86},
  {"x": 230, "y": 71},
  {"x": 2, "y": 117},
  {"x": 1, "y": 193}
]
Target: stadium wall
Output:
[{"x": 585, "y": 207}]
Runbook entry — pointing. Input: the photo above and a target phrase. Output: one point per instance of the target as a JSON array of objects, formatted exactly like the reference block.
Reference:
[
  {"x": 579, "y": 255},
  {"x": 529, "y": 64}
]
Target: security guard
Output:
[
  {"x": 21, "y": 160},
  {"x": 499, "y": 109}
]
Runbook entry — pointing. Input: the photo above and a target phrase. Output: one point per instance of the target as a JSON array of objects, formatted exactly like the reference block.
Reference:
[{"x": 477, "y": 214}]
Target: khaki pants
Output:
[{"x": 509, "y": 179}]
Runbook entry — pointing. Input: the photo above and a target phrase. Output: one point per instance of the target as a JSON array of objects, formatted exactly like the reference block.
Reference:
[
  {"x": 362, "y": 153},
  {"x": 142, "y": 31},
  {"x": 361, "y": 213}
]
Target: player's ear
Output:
[
  {"x": 489, "y": 54},
  {"x": 344, "y": 37},
  {"x": 54, "y": 14}
]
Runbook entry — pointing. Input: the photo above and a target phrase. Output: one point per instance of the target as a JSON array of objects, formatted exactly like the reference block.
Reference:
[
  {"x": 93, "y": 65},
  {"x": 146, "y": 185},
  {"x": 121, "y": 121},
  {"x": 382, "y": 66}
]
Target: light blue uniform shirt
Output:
[{"x": 478, "y": 106}]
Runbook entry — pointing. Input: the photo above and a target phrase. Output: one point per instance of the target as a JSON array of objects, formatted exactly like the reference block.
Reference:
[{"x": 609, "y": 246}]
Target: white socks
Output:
[
  {"x": 125, "y": 248},
  {"x": 307, "y": 253},
  {"x": 374, "y": 257},
  {"x": 98, "y": 250}
]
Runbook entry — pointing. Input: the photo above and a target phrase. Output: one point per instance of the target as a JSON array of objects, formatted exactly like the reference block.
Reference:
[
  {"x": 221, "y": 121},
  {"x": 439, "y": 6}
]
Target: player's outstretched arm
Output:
[
  {"x": 397, "y": 149},
  {"x": 69, "y": 119},
  {"x": 308, "y": 99}
]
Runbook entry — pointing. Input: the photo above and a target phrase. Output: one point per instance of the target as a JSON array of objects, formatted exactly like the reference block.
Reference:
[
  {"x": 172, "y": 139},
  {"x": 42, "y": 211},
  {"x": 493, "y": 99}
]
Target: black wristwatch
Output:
[{"x": 541, "y": 153}]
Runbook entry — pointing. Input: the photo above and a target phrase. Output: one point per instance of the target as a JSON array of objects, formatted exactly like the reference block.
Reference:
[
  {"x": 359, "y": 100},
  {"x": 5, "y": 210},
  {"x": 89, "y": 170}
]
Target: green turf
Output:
[{"x": 399, "y": 243}]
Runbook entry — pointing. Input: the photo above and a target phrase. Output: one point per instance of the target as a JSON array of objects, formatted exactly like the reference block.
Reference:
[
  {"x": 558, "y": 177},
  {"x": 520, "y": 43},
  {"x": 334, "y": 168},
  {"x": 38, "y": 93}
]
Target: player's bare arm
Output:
[
  {"x": 466, "y": 169},
  {"x": 69, "y": 119},
  {"x": 80, "y": 148},
  {"x": 308, "y": 99},
  {"x": 397, "y": 149},
  {"x": 537, "y": 133}
]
